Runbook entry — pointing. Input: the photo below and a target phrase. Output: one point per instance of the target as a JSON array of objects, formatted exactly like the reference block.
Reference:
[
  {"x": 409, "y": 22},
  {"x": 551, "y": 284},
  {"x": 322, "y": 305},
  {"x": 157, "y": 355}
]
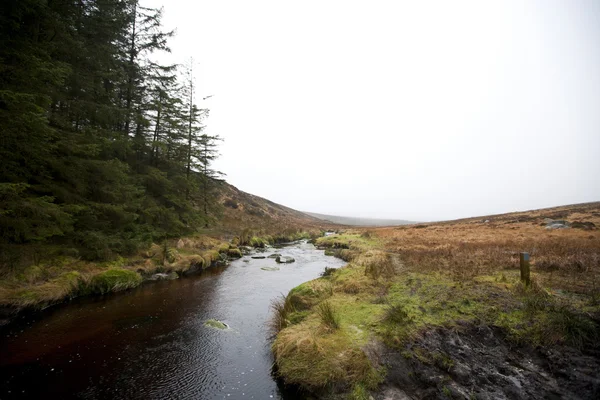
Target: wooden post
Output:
[{"x": 525, "y": 277}]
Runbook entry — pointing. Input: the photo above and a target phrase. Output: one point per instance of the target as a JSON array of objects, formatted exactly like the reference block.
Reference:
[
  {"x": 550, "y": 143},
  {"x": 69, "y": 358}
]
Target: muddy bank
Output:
[{"x": 477, "y": 362}]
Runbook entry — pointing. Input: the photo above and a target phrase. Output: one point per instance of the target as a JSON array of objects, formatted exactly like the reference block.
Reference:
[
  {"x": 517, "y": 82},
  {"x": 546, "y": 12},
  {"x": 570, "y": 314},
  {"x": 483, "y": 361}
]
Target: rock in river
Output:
[
  {"x": 164, "y": 277},
  {"x": 270, "y": 268},
  {"x": 213, "y": 323},
  {"x": 285, "y": 260}
]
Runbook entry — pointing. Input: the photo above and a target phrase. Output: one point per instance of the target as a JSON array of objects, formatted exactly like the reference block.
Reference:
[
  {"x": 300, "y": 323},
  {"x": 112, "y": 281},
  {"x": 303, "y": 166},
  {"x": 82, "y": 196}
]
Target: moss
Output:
[
  {"x": 223, "y": 248},
  {"x": 234, "y": 253},
  {"x": 210, "y": 257},
  {"x": 114, "y": 280},
  {"x": 213, "y": 323},
  {"x": 256, "y": 241}
]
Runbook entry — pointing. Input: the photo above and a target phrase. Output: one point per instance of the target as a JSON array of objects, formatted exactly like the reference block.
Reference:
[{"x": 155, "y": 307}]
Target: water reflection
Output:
[{"x": 151, "y": 342}]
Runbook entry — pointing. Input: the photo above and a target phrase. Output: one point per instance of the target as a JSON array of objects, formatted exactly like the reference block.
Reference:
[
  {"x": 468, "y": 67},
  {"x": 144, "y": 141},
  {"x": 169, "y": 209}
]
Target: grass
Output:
[
  {"x": 328, "y": 271},
  {"x": 328, "y": 316},
  {"x": 60, "y": 278},
  {"x": 114, "y": 280},
  {"x": 401, "y": 282}
]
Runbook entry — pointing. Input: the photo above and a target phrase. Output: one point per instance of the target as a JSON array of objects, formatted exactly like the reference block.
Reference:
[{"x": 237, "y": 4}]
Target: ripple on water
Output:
[{"x": 151, "y": 342}]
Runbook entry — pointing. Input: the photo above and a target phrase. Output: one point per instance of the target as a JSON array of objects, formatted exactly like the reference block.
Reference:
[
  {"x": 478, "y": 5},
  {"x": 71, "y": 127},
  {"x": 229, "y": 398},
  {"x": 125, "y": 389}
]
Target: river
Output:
[{"x": 151, "y": 342}]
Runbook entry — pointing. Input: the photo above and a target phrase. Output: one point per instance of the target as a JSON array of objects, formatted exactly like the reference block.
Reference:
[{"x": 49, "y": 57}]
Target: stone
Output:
[
  {"x": 213, "y": 323},
  {"x": 284, "y": 260},
  {"x": 164, "y": 277}
]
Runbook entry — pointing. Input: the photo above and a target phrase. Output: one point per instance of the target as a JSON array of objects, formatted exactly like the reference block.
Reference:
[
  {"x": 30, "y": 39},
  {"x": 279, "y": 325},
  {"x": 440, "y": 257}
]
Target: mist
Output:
[{"x": 410, "y": 110}]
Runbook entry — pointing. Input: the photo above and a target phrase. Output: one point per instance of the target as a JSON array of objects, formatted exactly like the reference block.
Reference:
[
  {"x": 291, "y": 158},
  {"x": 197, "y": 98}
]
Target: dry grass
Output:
[{"x": 563, "y": 259}]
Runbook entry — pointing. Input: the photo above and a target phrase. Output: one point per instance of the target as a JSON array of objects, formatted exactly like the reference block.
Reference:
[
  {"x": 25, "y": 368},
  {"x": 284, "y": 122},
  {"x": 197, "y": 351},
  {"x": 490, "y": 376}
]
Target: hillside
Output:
[
  {"x": 336, "y": 219},
  {"x": 243, "y": 210}
]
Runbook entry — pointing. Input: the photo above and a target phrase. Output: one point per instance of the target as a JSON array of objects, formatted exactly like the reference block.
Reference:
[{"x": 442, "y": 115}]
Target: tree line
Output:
[{"x": 102, "y": 149}]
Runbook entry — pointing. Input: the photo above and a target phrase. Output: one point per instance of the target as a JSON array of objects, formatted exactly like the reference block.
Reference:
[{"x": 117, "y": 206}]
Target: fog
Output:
[{"x": 418, "y": 110}]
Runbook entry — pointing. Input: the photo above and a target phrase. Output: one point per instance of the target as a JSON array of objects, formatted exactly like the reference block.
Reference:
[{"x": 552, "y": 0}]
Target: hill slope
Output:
[{"x": 243, "y": 210}]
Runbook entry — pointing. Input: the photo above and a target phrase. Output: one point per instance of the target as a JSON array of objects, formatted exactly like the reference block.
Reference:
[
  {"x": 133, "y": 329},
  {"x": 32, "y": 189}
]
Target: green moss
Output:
[
  {"x": 210, "y": 257},
  {"x": 114, "y": 280},
  {"x": 234, "y": 253},
  {"x": 256, "y": 241},
  {"x": 297, "y": 316},
  {"x": 223, "y": 248},
  {"x": 213, "y": 323}
]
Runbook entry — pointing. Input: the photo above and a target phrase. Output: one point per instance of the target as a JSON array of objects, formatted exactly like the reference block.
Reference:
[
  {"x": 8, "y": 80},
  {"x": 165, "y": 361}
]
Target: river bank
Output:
[
  {"x": 156, "y": 340},
  {"x": 438, "y": 311},
  {"x": 59, "y": 279}
]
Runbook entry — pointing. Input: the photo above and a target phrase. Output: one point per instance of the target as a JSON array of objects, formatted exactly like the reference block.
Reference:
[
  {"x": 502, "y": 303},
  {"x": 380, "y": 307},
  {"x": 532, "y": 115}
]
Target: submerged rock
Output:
[
  {"x": 164, "y": 277},
  {"x": 274, "y": 255},
  {"x": 213, "y": 323},
  {"x": 258, "y": 257},
  {"x": 270, "y": 268},
  {"x": 285, "y": 260}
]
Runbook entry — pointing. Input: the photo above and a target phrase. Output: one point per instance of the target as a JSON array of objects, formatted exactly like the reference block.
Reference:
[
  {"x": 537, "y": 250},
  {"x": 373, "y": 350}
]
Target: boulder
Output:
[
  {"x": 284, "y": 259},
  {"x": 274, "y": 255},
  {"x": 258, "y": 257}
]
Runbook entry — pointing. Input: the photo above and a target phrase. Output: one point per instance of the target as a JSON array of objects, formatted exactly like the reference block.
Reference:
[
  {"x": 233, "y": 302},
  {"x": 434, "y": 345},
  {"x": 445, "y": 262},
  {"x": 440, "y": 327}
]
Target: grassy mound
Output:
[{"x": 114, "y": 280}]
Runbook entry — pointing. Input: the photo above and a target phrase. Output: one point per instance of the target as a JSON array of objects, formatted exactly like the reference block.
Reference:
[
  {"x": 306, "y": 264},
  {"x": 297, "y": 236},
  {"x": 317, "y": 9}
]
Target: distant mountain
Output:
[{"x": 359, "y": 221}]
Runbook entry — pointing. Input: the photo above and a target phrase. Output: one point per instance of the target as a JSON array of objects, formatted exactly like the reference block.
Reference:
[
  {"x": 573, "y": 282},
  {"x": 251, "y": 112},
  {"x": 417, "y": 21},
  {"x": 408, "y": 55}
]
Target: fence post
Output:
[{"x": 525, "y": 276}]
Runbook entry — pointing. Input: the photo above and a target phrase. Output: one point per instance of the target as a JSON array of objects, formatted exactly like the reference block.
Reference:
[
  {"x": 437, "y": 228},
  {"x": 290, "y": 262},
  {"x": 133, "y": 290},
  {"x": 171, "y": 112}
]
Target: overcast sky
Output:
[{"x": 419, "y": 110}]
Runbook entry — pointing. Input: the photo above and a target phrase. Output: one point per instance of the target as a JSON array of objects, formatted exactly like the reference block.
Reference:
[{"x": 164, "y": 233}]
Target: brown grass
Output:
[{"x": 562, "y": 259}]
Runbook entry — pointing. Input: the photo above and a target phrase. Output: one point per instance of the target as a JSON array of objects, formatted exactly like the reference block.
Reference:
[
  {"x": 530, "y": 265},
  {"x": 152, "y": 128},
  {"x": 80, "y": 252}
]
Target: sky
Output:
[{"x": 417, "y": 110}]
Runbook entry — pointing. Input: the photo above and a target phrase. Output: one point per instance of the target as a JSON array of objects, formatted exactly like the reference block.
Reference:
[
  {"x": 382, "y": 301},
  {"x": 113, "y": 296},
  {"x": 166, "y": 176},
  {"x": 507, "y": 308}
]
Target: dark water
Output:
[{"x": 151, "y": 342}]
